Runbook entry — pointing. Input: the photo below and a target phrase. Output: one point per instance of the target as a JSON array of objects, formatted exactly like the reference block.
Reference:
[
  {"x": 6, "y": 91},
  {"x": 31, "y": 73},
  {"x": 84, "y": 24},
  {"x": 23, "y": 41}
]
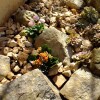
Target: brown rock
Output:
[{"x": 59, "y": 80}]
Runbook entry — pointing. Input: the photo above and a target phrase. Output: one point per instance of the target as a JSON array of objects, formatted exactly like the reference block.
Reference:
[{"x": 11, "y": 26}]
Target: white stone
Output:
[
  {"x": 67, "y": 73},
  {"x": 16, "y": 68},
  {"x": 12, "y": 43},
  {"x": 74, "y": 3}
]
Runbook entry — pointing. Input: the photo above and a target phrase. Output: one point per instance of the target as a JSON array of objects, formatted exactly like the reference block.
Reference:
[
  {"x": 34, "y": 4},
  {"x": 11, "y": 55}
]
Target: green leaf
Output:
[
  {"x": 32, "y": 57},
  {"x": 46, "y": 48},
  {"x": 35, "y": 30}
]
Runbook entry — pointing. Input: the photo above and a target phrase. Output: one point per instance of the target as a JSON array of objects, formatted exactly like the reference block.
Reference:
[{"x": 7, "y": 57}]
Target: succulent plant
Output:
[
  {"x": 93, "y": 35},
  {"x": 87, "y": 16}
]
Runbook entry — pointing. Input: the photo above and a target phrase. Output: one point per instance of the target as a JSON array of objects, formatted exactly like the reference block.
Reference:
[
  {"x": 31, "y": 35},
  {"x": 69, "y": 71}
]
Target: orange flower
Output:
[
  {"x": 43, "y": 56},
  {"x": 38, "y": 62}
]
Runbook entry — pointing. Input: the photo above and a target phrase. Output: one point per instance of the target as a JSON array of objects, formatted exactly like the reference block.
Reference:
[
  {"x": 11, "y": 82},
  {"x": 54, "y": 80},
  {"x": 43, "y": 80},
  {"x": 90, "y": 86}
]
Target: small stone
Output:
[
  {"x": 27, "y": 50},
  {"x": 4, "y": 65},
  {"x": 9, "y": 32},
  {"x": 74, "y": 65},
  {"x": 65, "y": 62},
  {"x": 98, "y": 22},
  {"x": 6, "y": 50},
  {"x": 53, "y": 71},
  {"x": 15, "y": 50},
  {"x": 52, "y": 19},
  {"x": 68, "y": 14},
  {"x": 67, "y": 73},
  {"x": 10, "y": 36},
  {"x": 13, "y": 65},
  {"x": 75, "y": 3},
  {"x": 9, "y": 54},
  {"x": 59, "y": 64},
  {"x": 59, "y": 80},
  {"x": 24, "y": 16},
  {"x": 28, "y": 44},
  {"x": 23, "y": 71},
  {"x": 60, "y": 70},
  {"x": 66, "y": 68},
  {"x": 15, "y": 56},
  {"x": 18, "y": 75},
  {"x": 21, "y": 42},
  {"x": 28, "y": 66},
  {"x": 4, "y": 81},
  {"x": 10, "y": 75},
  {"x": 63, "y": 30},
  {"x": 12, "y": 43},
  {"x": 13, "y": 27},
  {"x": 17, "y": 37},
  {"x": 16, "y": 68},
  {"x": 22, "y": 56}
]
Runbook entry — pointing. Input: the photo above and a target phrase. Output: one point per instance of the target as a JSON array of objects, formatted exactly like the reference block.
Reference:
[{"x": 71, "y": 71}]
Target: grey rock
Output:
[
  {"x": 24, "y": 16},
  {"x": 75, "y": 3},
  {"x": 56, "y": 40},
  {"x": 4, "y": 65},
  {"x": 83, "y": 85},
  {"x": 31, "y": 86},
  {"x": 95, "y": 62}
]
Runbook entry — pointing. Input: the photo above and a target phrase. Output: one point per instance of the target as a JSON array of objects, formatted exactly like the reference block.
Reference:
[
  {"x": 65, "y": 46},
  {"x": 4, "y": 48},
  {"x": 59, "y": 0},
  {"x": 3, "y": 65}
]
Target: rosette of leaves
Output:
[
  {"x": 87, "y": 16},
  {"x": 33, "y": 31}
]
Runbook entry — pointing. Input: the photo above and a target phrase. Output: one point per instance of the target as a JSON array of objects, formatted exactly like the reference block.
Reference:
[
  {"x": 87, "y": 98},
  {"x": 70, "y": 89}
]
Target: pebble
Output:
[
  {"x": 67, "y": 73},
  {"x": 10, "y": 75},
  {"x": 15, "y": 50},
  {"x": 4, "y": 81},
  {"x": 6, "y": 50},
  {"x": 12, "y": 43},
  {"x": 9, "y": 54},
  {"x": 9, "y": 32},
  {"x": 28, "y": 44},
  {"x": 59, "y": 80},
  {"x": 16, "y": 68}
]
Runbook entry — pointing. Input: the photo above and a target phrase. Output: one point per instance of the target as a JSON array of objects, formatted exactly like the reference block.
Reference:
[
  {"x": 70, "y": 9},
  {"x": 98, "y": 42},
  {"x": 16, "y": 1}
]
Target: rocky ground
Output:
[{"x": 61, "y": 38}]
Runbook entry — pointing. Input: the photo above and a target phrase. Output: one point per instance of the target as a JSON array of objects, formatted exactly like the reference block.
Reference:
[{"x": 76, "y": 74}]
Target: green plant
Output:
[
  {"x": 33, "y": 31},
  {"x": 87, "y": 16},
  {"x": 46, "y": 66},
  {"x": 43, "y": 60},
  {"x": 46, "y": 48}
]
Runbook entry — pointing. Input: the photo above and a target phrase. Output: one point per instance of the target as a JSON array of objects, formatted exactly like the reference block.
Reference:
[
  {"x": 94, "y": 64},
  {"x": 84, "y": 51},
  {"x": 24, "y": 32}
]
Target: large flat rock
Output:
[
  {"x": 31, "y": 86},
  {"x": 7, "y": 7},
  {"x": 83, "y": 85}
]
